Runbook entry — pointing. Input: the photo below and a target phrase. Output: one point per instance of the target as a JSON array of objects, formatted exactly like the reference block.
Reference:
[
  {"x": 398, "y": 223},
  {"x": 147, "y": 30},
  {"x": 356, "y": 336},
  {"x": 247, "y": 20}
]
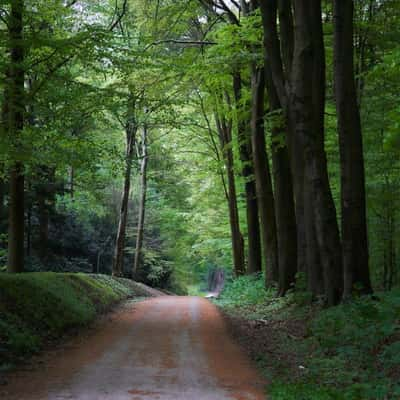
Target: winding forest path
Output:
[{"x": 166, "y": 348}]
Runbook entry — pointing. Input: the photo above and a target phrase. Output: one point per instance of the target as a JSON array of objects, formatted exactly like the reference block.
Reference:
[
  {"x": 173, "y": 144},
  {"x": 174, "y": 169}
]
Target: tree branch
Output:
[
  {"x": 120, "y": 15},
  {"x": 177, "y": 41}
]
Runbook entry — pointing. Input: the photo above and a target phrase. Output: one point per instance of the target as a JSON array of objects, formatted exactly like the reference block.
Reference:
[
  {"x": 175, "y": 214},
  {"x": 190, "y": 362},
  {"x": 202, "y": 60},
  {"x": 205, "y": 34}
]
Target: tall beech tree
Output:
[
  {"x": 354, "y": 220},
  {"x": 291, "y": 237},
  {"x": 265, "y": 196},
  {"x": 279, "y": 52},
  {"x": 324, "y": 208},
  {"x": 284, "y": 196},
  {"x": 279, "y": 59}
]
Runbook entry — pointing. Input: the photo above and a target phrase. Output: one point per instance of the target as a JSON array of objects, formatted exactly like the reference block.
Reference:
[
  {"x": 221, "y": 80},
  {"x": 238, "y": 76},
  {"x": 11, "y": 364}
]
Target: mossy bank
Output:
[{"x": 38, "y": 307}]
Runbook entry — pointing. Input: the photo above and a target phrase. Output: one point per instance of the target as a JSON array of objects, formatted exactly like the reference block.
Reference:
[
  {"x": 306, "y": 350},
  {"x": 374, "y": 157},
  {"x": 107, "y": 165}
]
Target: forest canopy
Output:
[{"x": 161, "y": 140}]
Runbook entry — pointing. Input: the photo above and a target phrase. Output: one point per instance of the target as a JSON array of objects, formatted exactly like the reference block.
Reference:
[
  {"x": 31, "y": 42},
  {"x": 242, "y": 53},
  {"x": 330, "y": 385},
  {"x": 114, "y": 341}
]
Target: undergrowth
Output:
[
  {"x": 349, "y": 352},
  {"x": 38, "y": 307}
]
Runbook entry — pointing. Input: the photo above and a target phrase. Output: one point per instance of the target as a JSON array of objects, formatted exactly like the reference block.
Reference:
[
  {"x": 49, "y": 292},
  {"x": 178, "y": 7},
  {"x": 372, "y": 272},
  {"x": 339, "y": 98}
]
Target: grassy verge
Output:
[
  {"x": 349, "y": 352},
  {"x": 38, "y": 307}
]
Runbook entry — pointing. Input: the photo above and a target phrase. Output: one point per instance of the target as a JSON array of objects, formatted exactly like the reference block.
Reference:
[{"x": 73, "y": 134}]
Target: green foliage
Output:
[
  {"x": 36, "y": 307},
  {"x": 248, "y": 297},
  {"x": 245, "y": 290},
  {"x": 154, "y": 270},
  {"x": 302, "y": 391},
  {"x": 361, "y": 334},
  {"x": 350, "y": 352}
]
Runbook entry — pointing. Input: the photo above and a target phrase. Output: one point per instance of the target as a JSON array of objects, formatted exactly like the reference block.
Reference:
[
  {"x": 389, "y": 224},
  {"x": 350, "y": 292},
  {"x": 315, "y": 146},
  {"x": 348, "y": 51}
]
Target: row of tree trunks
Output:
[
  {"x": 15, "y": 125},
  {"x": 299, "y": 81},
  {"x": 302, "y": 101},
  {"x": 142, "y": 202}
]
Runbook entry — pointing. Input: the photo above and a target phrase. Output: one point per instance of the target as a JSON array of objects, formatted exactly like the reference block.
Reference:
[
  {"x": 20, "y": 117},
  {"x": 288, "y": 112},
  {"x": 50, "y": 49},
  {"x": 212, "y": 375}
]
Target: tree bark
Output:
[
  {"x": 15, "y": 126},
  {"x": 280, "y": 71},
  {"x": 284, "y": 197},
  {"x": 307, "y": 103},
  {"x": 142, "y": 204},
  {"x": 225, "y": 135},
  {"x": 314, "y": 260},
  {"x": 265, "y": 195},
  {"x": 131, "y": 129},
  {"x": 354, "y": 225},
  {"x": 246, "y": 157},
  {"x": 303, "y": 99},
  {"x": 287, "y": 34}
]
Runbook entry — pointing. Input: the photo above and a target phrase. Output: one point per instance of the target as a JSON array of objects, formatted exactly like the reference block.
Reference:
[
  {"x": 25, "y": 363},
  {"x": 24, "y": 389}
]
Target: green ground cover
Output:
[
  {"x": 306, "y": 352},
  {"x": 38, "y": 307}
]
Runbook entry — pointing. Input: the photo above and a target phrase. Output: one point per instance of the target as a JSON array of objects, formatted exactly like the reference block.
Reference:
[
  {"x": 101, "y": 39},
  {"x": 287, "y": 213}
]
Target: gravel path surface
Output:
[{"x": 166, "y": 348}]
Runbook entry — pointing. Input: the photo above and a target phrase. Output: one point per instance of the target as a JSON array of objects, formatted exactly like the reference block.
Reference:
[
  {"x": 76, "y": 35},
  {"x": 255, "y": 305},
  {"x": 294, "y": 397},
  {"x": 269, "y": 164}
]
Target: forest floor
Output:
[
  {"x": 166, "y": 348},
  {"x": 309, "y": 352},
  {"x": 277, "y": 346}
]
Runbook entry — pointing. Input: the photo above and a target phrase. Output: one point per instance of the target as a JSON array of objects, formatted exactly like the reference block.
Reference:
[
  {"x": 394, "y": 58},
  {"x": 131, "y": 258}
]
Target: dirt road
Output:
[{"x": 167, "y": 348}]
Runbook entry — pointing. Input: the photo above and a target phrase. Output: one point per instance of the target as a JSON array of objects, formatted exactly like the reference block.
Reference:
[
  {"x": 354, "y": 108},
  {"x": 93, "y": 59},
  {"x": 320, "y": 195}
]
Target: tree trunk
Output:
[
  {"x": 142, "y": 204},
  {"x": 314, "y": 272},
  {"x": 287, "y": 35},
  {"x": 307, "y": 104},
  {"x": 281, "y": 86},
  {"x": 265, "y": 196},
  {"x": 284, "y": 197},
  {"x": 314, "y": 260},
  {"x": 225, "y": 136},
  {"x": 354, "y": 226},
  {"x": 15, "y": 126},
  {"x": 246, "y": 157},
  {"x": 131, "y": 128}
]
